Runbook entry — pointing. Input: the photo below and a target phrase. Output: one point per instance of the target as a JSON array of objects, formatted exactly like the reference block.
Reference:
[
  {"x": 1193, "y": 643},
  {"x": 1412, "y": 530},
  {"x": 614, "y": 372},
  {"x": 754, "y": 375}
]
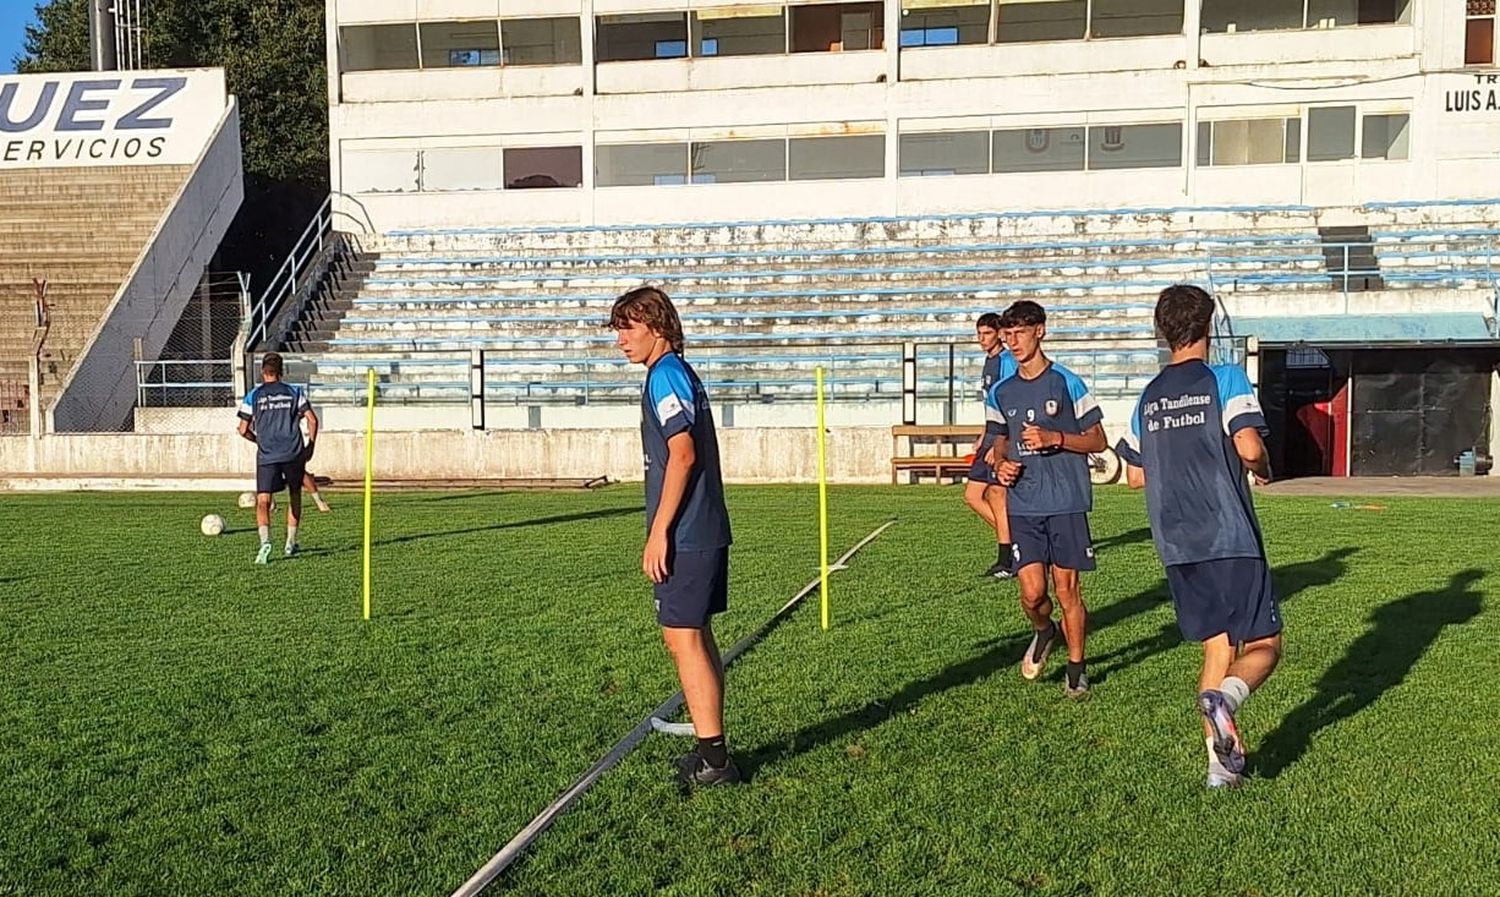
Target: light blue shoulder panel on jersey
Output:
[
  {"x": 1237, "y": 400},
  {"x": 1085, "y": 408},
  {"x": 671, "y": 393}
]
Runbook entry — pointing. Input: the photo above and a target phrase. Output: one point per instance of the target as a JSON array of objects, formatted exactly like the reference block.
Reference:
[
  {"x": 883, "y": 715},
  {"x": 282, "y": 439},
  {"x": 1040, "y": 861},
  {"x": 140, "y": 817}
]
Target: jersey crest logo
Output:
[{"x": 1052, "y": 407}]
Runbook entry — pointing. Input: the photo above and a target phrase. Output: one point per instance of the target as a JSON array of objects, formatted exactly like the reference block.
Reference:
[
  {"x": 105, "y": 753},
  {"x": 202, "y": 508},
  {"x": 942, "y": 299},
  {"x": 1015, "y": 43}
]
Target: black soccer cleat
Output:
[
  {"x": 999, "y": 570},
  {"x": 693, "y": 770}
]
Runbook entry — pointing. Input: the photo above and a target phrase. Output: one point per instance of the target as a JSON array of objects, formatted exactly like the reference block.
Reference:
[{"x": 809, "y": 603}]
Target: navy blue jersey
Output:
[
  {"x": 674, "y": 401},
  {"x": 1197, "y": 492},
  {"x": 996, "y": 368},
  {"x": 275, "y": 411},
  {"x": 1053, "y": 481}
]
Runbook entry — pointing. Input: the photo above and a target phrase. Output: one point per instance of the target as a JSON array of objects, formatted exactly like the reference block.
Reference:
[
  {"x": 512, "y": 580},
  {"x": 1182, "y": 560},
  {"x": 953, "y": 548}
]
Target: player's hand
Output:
[
  {"x": 1037, "y": 439},
  {"x": 1259, "y": 480},
  {"x": 307, "y": 453},
  {"x": 654, "y": 558},
  {"x": 1007, "y": 472}
]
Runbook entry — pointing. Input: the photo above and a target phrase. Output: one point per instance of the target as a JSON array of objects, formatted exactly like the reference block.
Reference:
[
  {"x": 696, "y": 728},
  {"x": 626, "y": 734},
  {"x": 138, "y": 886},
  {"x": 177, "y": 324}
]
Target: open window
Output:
[
  {"x": 739, "y": 31},
  {"x": 549, "y": 41},
  {"x": 1256, "y": 141},
  {"x": 944, "y": 23},
  {"x": 835, "y": 27},
  {"x": 460, "y": 44},
  {"x": 1479, "y": 32},
  {"x": 643, "y": 36},
  {"x": 370, "y": 48},
  {"x": 542, "y": 167}
]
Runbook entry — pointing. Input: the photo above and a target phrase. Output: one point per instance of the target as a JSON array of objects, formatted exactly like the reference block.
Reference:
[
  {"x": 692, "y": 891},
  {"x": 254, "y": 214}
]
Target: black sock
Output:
[
  {"x": 715, "y": 751},
  {"x": 1075, "y": 670},
  {"x": 1043, "y": 636},
  {"x": 1006, "y": 553}
]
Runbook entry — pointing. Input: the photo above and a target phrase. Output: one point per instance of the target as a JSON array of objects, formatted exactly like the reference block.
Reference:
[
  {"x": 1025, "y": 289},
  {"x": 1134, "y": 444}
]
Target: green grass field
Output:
[{"x": 176, "y": 721}]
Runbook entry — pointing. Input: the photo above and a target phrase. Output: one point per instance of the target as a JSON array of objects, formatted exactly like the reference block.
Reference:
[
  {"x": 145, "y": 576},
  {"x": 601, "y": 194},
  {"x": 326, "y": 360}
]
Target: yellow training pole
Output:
[
  {"x": 369, "y": 478},
  {"x": 822, "y": 501}
]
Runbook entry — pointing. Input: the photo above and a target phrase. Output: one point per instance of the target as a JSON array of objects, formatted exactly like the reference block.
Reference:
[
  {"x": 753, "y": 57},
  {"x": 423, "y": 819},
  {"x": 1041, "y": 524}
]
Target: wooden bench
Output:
[{"x": 951, "y": 443}]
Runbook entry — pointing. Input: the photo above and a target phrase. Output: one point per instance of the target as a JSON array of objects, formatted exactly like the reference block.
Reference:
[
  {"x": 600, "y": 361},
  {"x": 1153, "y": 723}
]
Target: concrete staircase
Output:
[{"x": 81, "y": 230}]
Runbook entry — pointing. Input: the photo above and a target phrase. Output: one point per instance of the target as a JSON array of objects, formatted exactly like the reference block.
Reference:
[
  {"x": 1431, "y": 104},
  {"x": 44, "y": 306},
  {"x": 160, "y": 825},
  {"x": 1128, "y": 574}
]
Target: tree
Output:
[
  {"x": 59, "y": 41},
  {"x": 274, "y": 57}
]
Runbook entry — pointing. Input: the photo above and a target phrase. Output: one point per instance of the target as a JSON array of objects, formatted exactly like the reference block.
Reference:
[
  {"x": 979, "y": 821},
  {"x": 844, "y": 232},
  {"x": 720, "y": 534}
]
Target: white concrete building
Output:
[{"x": 460, "y": 112}]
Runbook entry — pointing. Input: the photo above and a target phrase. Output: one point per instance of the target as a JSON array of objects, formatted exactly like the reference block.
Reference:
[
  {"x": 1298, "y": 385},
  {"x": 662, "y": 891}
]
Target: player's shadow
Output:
[
  {"x": 1400, "y": 633},
  {"x": 1290, "y": 579},
  {"x": 1130, "y": 537},
  {"x": 579, "y": 517},
  {"x": 998, "y": 654}
]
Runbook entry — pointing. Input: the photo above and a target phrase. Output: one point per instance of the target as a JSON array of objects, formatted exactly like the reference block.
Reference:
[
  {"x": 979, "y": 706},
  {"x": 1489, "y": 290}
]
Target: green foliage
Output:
[
  {"x": 59, "y": 41},
  {"x": 176, "y": 721}
]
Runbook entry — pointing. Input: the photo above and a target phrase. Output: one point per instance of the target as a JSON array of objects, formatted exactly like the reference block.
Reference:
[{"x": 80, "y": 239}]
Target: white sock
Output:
[
  {"x": 265, "y": 534},
  {"x": 1235, "y": 692},
  {"x": 291, "y": 535}
]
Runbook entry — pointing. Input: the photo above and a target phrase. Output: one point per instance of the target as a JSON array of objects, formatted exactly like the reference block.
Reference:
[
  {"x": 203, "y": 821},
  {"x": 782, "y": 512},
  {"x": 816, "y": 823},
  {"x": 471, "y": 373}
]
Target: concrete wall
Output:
[
  {"x": 1404, "y": 68},
  {"x": 100, "y": 390}
]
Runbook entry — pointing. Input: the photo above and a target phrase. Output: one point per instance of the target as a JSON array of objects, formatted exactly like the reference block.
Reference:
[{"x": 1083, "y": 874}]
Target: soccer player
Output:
[
  {"x": 310, "y": 486},
  {"x": 1046, "y": 423},
  {"x": 271, "y": 417},
  {"x": 998, "y": 365},
  {"x": 1197, "y": 430},
  {"x": 687, "y": 524}
]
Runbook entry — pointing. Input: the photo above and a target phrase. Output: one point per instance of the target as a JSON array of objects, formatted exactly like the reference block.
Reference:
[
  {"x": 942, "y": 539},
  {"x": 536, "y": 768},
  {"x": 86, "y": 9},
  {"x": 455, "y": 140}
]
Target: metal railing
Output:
[
  {"x": 184, "y": 383},
  {"x": 311, "y": 257}
]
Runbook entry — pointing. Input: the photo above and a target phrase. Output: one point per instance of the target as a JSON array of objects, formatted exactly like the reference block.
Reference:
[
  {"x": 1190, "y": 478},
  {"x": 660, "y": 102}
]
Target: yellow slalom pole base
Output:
[
  {"x": 822, "y": 502},
  {"x": 369, "y": 478}
]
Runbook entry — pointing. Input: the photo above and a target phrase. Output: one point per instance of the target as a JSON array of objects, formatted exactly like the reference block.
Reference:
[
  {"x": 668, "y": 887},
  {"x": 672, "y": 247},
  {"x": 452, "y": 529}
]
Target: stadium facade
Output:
[{"x": 448, "y": 112}]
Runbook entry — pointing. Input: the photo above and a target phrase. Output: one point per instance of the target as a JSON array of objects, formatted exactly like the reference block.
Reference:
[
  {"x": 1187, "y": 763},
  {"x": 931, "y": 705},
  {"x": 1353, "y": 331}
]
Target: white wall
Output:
[
  {"x": 1386, "y": 68},
  {"x": 100, "y": 389}
]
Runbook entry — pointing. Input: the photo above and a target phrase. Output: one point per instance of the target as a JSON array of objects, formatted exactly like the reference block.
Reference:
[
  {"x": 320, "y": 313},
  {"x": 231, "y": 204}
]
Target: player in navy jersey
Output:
[
  {"x": 687, "y": 525},
  {"x": 1045, "y": 423},
  {"x": 1196, "y": 432},
  {"x": 271, "y": 417},
  {"x": 983, "y": 493}
]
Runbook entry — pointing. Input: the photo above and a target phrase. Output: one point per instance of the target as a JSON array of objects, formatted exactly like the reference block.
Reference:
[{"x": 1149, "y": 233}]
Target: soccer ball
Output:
[
  {"x": 212, "y": 525},
  {"x": 247, "y": 499}
]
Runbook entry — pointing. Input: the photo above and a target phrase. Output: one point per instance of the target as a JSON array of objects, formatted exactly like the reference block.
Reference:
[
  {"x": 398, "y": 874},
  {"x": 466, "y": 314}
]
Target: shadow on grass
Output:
[
  {"x": 580, "y": 517},
  {"x": 1290, "y": 579},
  {"x": 1400, "y": 633},
  {"x": 1130, "y": 537}
]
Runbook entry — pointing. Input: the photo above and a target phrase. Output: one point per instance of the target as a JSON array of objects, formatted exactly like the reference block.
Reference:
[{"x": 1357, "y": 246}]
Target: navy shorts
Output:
[
  {"x": 980, "y": 471},
  {"x": 1229, "y": 595},
  {"x": 1061, "y": 540},
  {"x": 695, "y": 590},
  {"x": 276, "y": 476}
]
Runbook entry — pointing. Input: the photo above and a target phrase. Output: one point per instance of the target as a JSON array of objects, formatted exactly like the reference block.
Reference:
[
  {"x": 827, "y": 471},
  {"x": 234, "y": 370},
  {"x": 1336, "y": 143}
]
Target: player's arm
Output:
[
  {"x": 246, "y": 414},
  {"x": 311, "y": 417},
  {"x": 1090, "y": 440},
  {"x": 1129, "y": 450},
  {"x": 682, "y": 454},
  {"x": 1251, "y": 448}
]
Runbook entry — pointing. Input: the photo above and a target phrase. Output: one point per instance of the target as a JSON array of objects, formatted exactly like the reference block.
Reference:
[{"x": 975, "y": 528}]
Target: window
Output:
[
  {"x": 1135, "y": 18},
  {"x": 462, "y": 168},
  {"x": 1229, "y": 16},
  {"x": 645, "y": 36},
  {"x": 940, "y": 23},
  {"x": 456, "y": 44},
  {"x": 824, "y": 28},
  {"x": 369, "y": 48},
  {"x": 956, "y": 152},
  {"x": 640, "y": 164},
  {"x": 1330, "y": 133},
  {"x": 820, "y": 158},
  {"x": 539, "y": 167},
  {"x": 1039, "y": 149},
  {"x": 542, "y": 41},
  {"x": 1385, "y": 137},
  {"x": 1479, "y": 33},
  {"x": 1025, "y": 20},
  {"x": 381, "y": 171},
  {"x": 1263, "y": 141},
  {"x": 1135, "y": 146},
  {"x": 737, "y": 161},
  {"x": 740, "y": 31}
]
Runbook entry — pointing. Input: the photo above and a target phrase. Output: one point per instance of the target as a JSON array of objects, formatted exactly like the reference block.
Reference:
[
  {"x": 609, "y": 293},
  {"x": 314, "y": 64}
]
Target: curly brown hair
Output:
[{"x": 649, "y": 306}]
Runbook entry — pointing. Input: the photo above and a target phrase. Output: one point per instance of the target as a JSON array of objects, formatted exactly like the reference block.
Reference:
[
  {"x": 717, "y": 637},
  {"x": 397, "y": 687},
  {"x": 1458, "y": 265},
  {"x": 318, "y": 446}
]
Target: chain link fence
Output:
[{"x": 195, "y": 369}]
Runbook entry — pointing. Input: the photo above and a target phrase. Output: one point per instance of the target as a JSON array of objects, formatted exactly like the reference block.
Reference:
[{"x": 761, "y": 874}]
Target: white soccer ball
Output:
[
  {"x": 247, "y": 499},
  {"x": 212, "y": 525}
]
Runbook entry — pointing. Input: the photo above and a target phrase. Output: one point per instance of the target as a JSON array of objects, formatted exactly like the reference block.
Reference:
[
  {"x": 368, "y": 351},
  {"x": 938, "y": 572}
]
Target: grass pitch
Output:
[{"x": 175, "y": 720}]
